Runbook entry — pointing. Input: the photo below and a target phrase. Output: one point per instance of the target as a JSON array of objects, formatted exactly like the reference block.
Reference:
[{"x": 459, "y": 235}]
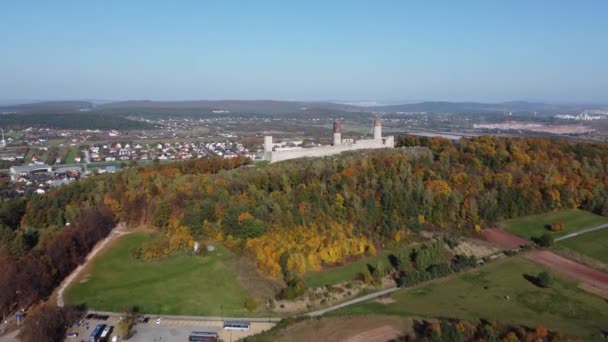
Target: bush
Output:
[
  {"x": 136, "y": 253},
  {"x": 250, "y": 304},
  {"x": 556, "y": 227},
  {"x": 451, "y": 242},
  {"x": 295, "y": 288},
  {"x": 463, "y": 262},
  {"x": 366, "y": 277},
  {"x": 544, "y": 279},
  {"x": 545, "y": 240}
]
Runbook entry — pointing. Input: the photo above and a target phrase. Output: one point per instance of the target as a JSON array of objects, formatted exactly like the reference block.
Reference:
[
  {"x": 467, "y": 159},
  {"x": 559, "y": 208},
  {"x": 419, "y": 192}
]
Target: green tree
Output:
[
  {"x": 127, "y": 322},
  {"x": 545, "y": 240},
  {"x": 544, "y": 279}
]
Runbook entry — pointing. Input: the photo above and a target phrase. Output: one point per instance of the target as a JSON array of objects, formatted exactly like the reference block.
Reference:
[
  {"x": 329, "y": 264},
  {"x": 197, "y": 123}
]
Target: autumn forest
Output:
[{"x": 299, "y": 215}]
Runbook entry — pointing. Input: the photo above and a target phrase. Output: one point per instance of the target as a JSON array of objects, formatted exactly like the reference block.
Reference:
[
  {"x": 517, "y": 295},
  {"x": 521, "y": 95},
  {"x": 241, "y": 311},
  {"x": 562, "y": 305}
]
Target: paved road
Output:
[
  {"x": 198, "y": 318},
  {"x": 352, "y": 301},
  {"x": 582, "y": 231},
  {"x": 270, "y": 319}
]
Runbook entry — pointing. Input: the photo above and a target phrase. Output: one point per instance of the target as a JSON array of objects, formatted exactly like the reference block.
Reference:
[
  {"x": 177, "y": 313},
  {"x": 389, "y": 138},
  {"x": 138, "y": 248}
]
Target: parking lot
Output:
[{"x": 169, "y": 329}]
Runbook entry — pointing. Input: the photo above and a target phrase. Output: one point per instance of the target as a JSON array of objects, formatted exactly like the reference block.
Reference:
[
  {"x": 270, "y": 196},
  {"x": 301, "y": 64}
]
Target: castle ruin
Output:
[{"x": 273, "y": 154}]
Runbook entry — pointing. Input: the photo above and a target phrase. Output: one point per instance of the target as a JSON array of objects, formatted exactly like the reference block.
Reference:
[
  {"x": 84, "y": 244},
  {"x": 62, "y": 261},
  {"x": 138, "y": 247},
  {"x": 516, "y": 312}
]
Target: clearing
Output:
[
  {"x": 344, "y": 273},
  {"x": 534, "y": 225},
  {"x": 178, "y": 285},
  {"x": 500, "y": 292}
]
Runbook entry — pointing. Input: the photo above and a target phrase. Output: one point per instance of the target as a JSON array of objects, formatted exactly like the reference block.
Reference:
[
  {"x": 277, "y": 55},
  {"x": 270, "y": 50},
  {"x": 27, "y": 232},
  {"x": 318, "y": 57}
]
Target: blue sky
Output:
[{"x": 307, "y": 50}]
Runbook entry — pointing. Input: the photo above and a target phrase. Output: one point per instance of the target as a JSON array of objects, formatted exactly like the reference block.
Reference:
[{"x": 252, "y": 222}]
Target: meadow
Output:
[
  {"x": 178, "y": 285},
  {"x": 344, "y": 273},
  {"x": 501, "y": 292},
  {"x": 535, "y": 225},
  {"x": 593, "y": 245}
]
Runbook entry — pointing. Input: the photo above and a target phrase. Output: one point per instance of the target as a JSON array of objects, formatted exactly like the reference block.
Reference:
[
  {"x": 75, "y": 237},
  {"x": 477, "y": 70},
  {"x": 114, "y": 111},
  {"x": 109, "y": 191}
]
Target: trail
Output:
[
  {"x": 352, "y": 301},
  {"x": 582, "y": 231},
  {"x": 114, "y": 233}
]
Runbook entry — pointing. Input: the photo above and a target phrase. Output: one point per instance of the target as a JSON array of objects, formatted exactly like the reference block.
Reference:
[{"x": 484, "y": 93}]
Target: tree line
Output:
[{"x": 31, "y": 278}]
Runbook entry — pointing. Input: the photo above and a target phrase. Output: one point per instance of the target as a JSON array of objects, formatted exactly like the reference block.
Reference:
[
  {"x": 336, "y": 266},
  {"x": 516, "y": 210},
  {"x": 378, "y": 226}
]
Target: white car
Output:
[{"x": 158, "y": 320}]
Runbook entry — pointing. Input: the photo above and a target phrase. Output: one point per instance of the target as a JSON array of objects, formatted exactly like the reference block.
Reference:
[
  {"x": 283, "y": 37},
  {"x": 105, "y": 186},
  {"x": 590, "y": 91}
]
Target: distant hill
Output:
[
  {"x": 271, "y": 107},
  {"x": 477, "y": 107},
  {"x": 236, "y": 106},
  {"x": 285, "y": 107},
  {"x": 47, "y": 107}
]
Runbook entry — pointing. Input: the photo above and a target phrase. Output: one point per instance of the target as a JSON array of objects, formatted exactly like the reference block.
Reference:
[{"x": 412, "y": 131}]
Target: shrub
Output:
[
  {"x": 366, "y": 277},
  {"x": 544, "y": 279},
  {"x": 295, "y": 288},
  {"x": 136, "y": 253},
  {"x": 556, "y": 227},
  {"x": 250, "y": 304},
  {"x": 463, "y": 262},
  {"x": 545, "y": 240}
]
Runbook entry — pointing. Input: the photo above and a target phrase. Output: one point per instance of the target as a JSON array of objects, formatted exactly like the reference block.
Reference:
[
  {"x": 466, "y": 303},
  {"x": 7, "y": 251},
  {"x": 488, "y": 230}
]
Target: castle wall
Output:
[
  {"x": 339, "y": 145},
  {"x": 322, "y": 151}
]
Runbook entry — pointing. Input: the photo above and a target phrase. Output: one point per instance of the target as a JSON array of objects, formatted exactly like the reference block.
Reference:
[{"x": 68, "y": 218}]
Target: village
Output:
[{"x": 40, "y": 167}]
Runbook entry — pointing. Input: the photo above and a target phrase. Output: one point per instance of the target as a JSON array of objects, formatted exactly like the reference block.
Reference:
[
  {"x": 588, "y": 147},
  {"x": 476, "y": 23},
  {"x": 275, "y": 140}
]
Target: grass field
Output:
[
  {"x": 593, "y": 245},
  {"x": 534, "y": 225},
  {"x": 347, "y": 272},
  {"x": 483, "y": 294},
  {"x": 180, "y": 285},
  {"x": 69, "y": 159}
]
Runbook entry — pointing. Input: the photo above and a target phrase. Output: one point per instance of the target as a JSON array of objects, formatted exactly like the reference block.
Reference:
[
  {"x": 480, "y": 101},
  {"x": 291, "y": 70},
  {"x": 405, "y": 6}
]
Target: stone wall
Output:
[{"x": 277, "y": 156}]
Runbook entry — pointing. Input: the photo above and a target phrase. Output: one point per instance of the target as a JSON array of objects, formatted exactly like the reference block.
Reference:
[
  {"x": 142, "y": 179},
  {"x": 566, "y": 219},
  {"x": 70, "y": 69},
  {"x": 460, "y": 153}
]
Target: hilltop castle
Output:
[{"x": 274, "y": 155}]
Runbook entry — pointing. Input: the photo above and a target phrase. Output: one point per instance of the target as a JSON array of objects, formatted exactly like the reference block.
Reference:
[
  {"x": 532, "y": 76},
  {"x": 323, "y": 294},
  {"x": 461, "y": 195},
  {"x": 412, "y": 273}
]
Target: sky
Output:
[{"x": 386, "y": 51}]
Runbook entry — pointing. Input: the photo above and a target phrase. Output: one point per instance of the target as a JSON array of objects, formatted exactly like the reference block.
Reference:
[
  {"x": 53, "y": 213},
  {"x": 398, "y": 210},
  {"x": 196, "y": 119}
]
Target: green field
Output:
[
  {"x": 74, "y": 151},
  {"x": 534, "y": 225},
  {"x": 180, "y": 285},
  {"x": 593, "y": 245},
  {"x": 347, "y": 272},
  {"x": 483, "y": 294}
]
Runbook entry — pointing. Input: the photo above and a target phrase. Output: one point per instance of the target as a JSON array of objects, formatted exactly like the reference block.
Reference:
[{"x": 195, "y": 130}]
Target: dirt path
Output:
[
  {"x": 589, "y": 277},
  {"x": 114, "y": 233},
  {"x": 503, "y": 238}
]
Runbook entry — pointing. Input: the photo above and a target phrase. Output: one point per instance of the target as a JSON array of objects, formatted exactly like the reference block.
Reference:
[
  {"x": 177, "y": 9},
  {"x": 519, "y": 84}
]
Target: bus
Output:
[
  {"x": 106, "y": 333},
  {"x": 236, "y": 325},
  {"x": 94, "y": 337},
  {"x": 203, "y": 336}
]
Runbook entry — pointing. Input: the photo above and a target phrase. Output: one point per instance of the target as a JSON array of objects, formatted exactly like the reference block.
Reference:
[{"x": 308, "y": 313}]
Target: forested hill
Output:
[
  {"x": 85, "y": 120},
  {"x": 457, "y": 186},
  {"x": 327, "y": 209}
]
